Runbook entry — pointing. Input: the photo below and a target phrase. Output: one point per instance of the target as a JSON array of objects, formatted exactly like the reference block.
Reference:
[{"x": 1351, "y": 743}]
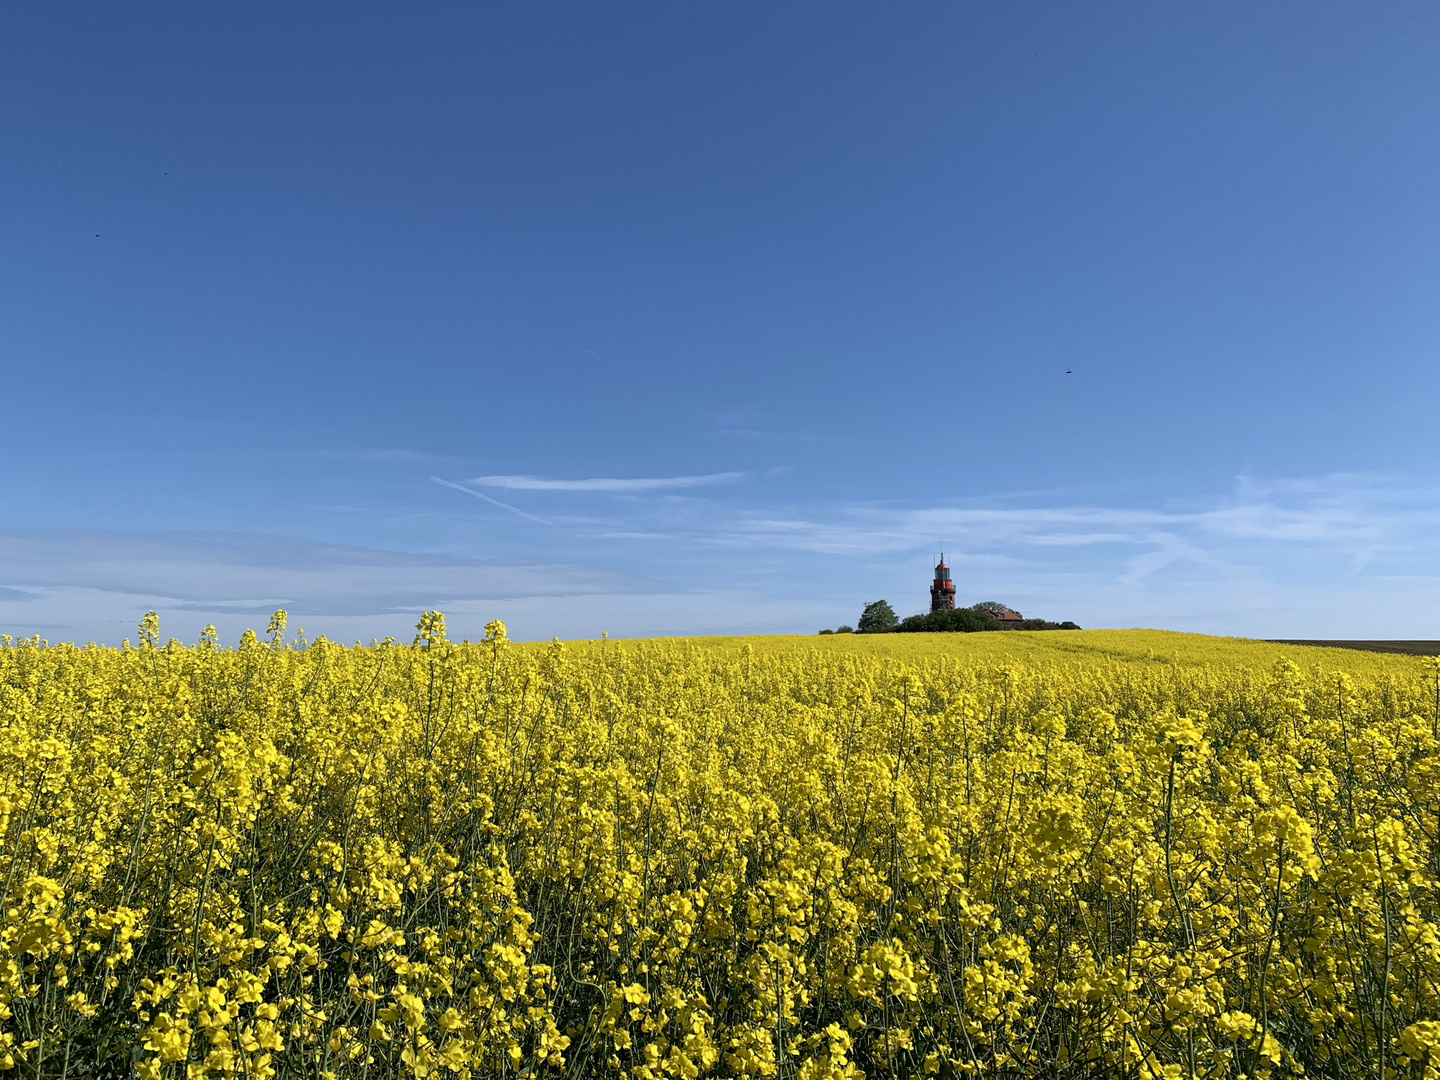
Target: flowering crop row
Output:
[{"x": 711, "y": 859}]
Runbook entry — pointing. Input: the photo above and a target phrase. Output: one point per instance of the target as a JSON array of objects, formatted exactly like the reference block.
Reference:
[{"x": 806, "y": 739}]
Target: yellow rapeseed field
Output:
[{"x": 1009, "y": 854}]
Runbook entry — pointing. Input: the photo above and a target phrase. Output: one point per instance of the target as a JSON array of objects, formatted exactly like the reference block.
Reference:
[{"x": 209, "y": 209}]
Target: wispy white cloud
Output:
[
  {"x": 486, "y": 498},
  {"x": 243, "y": 572},
  {"x": 1364, "y": 520},
  {"x": 70, "y": 584},
  {"x": 1364, "y": 517},
  {"x": 1286, "y": 556},
  {"x": 1169, "y": 550},
  {"x": 1339, "y": 556},
  {"x": 607, "y": 483}
]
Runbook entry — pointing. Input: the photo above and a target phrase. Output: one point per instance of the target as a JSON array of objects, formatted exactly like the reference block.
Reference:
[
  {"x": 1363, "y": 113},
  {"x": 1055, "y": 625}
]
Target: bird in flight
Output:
[{"x": 1067, "y": 371}]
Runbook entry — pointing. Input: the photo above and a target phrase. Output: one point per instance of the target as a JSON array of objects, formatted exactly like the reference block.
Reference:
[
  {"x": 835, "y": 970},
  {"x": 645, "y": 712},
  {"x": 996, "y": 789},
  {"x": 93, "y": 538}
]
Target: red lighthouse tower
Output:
[{"x": 942, "y": 589}]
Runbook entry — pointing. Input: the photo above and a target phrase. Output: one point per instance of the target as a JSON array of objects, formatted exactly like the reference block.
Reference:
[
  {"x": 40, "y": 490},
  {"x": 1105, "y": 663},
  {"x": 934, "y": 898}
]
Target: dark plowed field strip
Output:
[{"x": 1414, "y": 648}]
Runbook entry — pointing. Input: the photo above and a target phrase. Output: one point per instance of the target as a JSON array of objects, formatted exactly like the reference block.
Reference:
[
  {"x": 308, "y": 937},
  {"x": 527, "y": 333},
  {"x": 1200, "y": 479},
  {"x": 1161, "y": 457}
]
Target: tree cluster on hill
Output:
[
  {"x": 880, "y": 618},
  {"x": 968, "y": 620},
  {"x": 877, "y": 618}
]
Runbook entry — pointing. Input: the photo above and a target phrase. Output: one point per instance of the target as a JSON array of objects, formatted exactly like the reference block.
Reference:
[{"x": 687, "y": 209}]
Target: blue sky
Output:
[{"x": 664, "y": 318}]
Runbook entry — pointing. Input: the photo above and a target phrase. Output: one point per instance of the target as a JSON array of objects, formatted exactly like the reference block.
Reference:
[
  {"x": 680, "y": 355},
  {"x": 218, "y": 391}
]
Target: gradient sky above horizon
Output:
[{"x": 663, "y": 318}]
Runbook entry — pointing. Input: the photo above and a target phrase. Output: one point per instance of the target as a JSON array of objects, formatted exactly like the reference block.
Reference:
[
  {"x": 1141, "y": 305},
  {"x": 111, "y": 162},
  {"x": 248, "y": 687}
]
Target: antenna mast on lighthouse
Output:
[{"x": 942, "y": 589}]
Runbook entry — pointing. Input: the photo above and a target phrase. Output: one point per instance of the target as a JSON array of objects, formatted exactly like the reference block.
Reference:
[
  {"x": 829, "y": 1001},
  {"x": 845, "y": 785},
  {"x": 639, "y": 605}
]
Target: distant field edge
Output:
[{"x": 1414, "y": 648}]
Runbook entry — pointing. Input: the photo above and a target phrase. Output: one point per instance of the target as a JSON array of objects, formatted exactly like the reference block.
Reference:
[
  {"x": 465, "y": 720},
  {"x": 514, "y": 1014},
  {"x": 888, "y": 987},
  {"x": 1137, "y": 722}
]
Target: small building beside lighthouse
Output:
[{"x": 942, "y": 589}]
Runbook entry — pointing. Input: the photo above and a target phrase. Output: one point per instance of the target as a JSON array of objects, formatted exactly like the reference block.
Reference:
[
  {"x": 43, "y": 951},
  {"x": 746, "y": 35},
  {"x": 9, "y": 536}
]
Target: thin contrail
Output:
[
  {"x": 487, "y": 498},
  {"x": 607, "y": 483}
]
